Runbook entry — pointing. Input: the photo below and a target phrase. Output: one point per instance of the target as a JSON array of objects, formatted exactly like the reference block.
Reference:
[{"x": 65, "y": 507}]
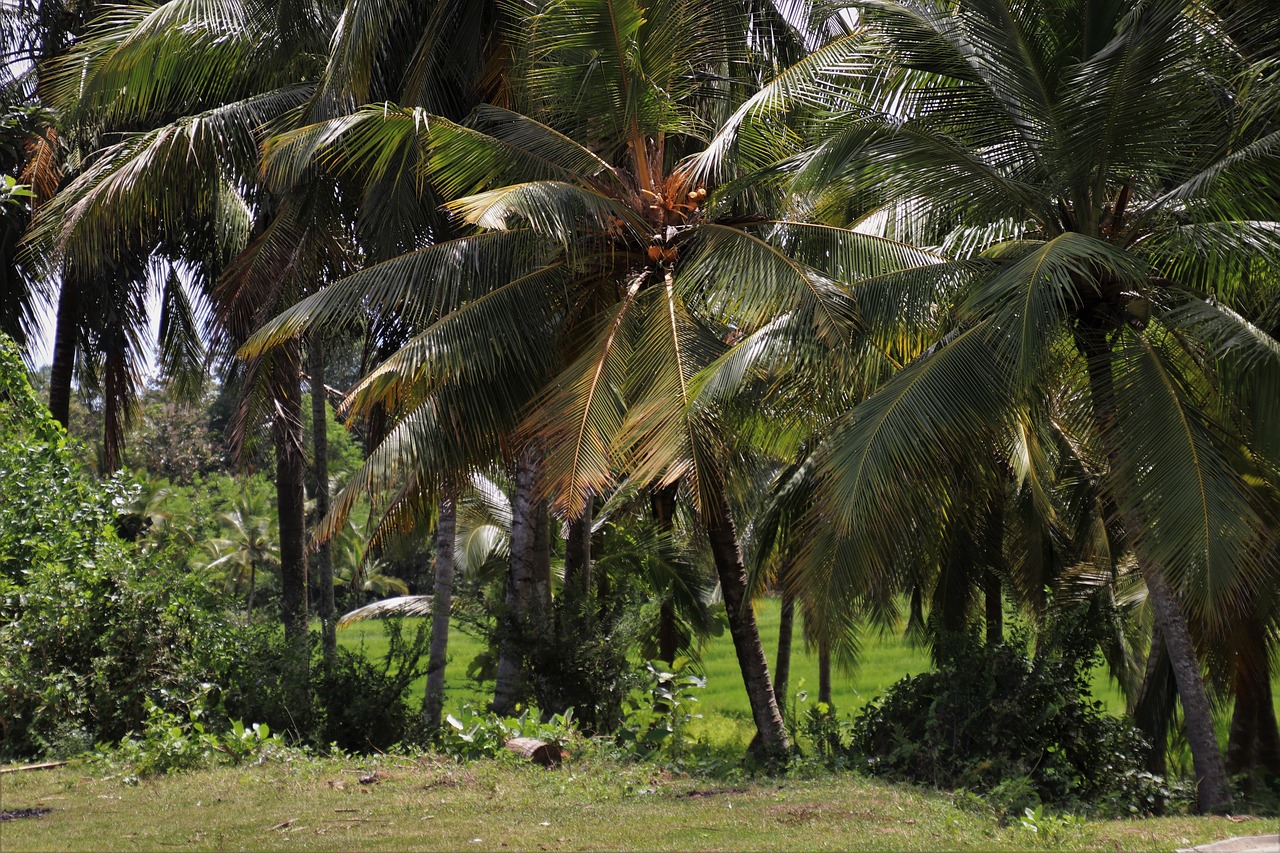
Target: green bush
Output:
[
  {"x": 1019, "y": 730},
  {"x": 581, "y": 663},
  {"x": 91, "y": 628},
  {"x": 473, "y": 734},
  {"x": 363, "y": 704},
  {"x": 101, "y": 638}
]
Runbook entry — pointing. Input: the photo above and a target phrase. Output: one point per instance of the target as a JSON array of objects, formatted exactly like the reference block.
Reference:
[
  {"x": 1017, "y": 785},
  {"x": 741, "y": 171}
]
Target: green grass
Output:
[
  {"x": 431, "y": 803},
  {"x": 726, "y": 715}
]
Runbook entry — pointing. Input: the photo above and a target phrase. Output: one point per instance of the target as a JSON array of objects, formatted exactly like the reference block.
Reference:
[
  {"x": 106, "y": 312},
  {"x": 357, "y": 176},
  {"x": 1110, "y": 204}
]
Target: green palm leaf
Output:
[{"x": 1176, "y": 475}]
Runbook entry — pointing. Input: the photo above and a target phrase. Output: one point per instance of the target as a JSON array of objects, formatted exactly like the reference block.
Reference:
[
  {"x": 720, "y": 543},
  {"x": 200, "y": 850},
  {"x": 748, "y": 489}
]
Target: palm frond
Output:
[
  {"x": 1177, "y": 477},
  {"x": 567, "y": 214},
  {"x": 1035, "y": 292},
  {"x": 419, "y": 287},
  {"x": 399, "y": 606}
]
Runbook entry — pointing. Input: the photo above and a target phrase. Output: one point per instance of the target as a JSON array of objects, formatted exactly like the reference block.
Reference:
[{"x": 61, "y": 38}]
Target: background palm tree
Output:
[
  {"x": 245, "y": 546},
  {"x": 1101, "y": 190}
]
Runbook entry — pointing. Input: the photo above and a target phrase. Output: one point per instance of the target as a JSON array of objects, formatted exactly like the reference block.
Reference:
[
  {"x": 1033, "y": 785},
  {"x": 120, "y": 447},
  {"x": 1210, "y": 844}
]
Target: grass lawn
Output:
[
  {"x": 723, "y": 704},
  {"x": 433, "y": 803}
]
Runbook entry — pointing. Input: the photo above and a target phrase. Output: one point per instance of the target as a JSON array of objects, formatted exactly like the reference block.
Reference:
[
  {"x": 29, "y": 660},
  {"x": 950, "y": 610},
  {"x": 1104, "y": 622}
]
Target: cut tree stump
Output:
[{"x": 538, "y": 752}]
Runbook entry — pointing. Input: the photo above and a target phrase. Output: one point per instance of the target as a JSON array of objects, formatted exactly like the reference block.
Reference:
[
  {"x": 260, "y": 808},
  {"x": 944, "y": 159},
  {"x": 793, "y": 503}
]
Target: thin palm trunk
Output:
[
  {"x": 1153, "y": 710},
  {"x": 322, "y": 557},
  {"x": 577, "y": 554},
  {"x": 994, "y": 607},
  {"x": 824, "y": 673},
  {"x": 772, "y": 735},
  {"x": 786, "y": 627},
  {"x": 63, "y": 367},
  {"x": 253, "y": 582},
  {"x": 441, "y": 607},
  {"x": 663, "y": 506},
  {"x": 1252, "y": 745},
  {"x": 993, "y": 598},
  {"x": 520, "y": 584},
  {"x": 1213, "y": 788},
  {"x": 290, "y": 495},
  {"x": 540, "y": 563}
]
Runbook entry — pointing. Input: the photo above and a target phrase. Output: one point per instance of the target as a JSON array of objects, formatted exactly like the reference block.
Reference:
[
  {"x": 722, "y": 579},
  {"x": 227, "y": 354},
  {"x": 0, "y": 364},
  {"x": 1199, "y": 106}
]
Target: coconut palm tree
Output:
[
  {"x": 601, "y": 278},
  {"x": 169, "y": 103},
  {"x": 246, "y": 546},
  {"x": 1103, "y": 187}
]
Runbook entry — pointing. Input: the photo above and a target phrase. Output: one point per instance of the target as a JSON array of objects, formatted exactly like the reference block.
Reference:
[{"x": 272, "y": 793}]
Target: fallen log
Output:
[
  {"x": 48, "y": 765},
  {"x": 538, "y": 752}
]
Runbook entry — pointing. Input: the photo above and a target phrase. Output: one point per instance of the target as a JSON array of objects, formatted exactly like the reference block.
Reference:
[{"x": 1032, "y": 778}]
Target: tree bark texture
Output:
[
  {"x": 824, "y": 673},
  {"x": 786, "y": 628},
  {"x": 441, "y": 607},
  {"x": 540, "y": 563},
  {"x": 951, "y": 596},
  {"x": 322, "y": 556},
  {"x": 993, "y": 599},
  {"x": 577, "y": 554},
  {"x": 1213, "y": 787},
  {"x": 290, "y": 494},
  {"x": 662, "y": 504},
  {"x": 520, "y": 584},
  {"x": 1254, "y": 743},
  {"x": 65, "y": 343},
  {"x": 745, "y": 632}
]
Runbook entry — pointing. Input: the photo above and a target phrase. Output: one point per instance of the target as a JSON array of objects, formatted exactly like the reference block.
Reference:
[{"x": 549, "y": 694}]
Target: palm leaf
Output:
[
  {"x": 1176, "y": 476},
  {"x": 399, "y": 606}
]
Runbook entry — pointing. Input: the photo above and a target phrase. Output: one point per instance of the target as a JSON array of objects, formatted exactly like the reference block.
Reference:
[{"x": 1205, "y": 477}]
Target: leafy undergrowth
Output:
[{"x": 431, "y": 802}]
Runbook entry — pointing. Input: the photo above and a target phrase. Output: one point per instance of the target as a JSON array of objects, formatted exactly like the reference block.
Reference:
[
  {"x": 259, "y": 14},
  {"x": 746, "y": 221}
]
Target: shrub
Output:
[
  {"x": 364, "y": 705},
  {"x": 581, "y": 664},
  {"x": 1022, "y": 731},
  {"x": 101, "y": 638},
  {"x": 655, "y": 716},
  {"x": 472, "y": 734}
]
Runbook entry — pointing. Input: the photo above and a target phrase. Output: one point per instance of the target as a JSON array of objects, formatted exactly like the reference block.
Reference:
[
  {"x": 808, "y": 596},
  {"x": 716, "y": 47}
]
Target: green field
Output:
[{"x": 723, "y": 704}]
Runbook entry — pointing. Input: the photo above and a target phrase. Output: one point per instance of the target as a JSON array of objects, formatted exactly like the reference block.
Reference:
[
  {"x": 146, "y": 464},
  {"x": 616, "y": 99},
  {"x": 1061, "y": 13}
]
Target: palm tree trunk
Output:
[
  {"x": 668, "y": 635},
  {"x": 1214, "y": 790},
  {"x": 663, "y": 507},
  {"x": 786, "y": 627},
  {"x": 520, "y": 581},
  {"x": 951, "y": 596},
  {"x": 64, "y": 356},
  {"x": 994, "y": 607},
  {"x": 540, "y": 563},
  {"x": 320, "y": 470},
  {"x": 577, "y": 554},
  {"x": 441, "y": 607},
  {"x": 1153, "y": 710},
  {"x": 253, "y": 582},
  {"x": 1254, "y": 737},
  {"x": 824, "y": 673},
  {"x": 993, "y": 599},
  {"x": 773, "y": 741},
  {"x": 290, "y": 495},
  {"x": 1268, "y": 731}
]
